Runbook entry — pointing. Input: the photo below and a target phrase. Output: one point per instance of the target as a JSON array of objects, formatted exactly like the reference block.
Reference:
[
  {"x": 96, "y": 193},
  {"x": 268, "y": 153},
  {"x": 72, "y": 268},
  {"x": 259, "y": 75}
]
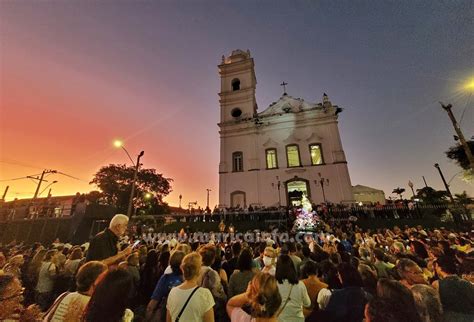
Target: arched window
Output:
[
  {"x": 293, "y": 156},
  {"x": 271, "y": 157},
  {"x": 316, "y": 153},
  {"x": 237, "y": 162},
  {"x": 235, "y": 84}
]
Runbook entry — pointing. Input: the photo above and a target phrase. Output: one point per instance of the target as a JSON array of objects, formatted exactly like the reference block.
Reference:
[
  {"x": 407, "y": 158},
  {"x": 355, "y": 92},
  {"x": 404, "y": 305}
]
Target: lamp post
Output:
[
  {"x": 445, "y": 183},
  {"x": 410, "y": 184},
  {"x": 279, "y": 194},
  {"x": 180, "y": 197},
  {"x": 119, "y": 144},
  {"x": 322, "y": 182},
  {"x": 207, "y": 203}
]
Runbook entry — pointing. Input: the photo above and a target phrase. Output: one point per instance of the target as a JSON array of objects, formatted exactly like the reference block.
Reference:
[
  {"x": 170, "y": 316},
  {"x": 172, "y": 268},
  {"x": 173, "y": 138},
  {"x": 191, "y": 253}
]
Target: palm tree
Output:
[{"x": 399, "y": 192}]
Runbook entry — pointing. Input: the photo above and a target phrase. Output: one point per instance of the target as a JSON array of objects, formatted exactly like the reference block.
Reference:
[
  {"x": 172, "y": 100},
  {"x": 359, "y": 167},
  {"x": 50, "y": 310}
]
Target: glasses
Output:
[{"x": 20, "y": 293}]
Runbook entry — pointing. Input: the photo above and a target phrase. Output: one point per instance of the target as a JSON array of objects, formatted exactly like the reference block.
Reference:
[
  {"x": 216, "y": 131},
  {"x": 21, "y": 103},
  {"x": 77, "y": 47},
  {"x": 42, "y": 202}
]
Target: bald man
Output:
[{"x": 104, "y": 246}]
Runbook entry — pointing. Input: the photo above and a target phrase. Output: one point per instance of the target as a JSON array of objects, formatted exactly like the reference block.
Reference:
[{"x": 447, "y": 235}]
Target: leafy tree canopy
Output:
[
  {"x": 431, "y": 196},
  {"x": 115, "y": 182},
  {"x": 458, "y": 154}
]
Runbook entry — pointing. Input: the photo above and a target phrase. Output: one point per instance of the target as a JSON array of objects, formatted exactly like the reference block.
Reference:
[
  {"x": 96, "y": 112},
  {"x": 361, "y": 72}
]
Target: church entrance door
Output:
[
  {"x": 238, "y": 200},
  {"x": 297, "y": 192}
]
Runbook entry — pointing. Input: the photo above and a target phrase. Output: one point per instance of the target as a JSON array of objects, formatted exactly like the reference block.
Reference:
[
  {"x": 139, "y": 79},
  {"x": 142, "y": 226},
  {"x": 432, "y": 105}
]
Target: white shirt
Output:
[
  {"x": 71, "y": 306},
  {"x": 201, "y": 302},
  {"x": 298, "y": 299}
]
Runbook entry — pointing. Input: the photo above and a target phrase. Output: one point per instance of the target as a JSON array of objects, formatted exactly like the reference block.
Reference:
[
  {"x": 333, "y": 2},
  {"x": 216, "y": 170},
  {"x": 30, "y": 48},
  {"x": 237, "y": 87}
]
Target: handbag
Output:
[{"x": 185, "y": 304}]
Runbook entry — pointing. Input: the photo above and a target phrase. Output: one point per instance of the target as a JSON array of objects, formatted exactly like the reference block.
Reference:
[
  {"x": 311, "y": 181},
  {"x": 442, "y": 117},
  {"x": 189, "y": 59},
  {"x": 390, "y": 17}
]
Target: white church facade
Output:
[{"x": 282, "y": 155}]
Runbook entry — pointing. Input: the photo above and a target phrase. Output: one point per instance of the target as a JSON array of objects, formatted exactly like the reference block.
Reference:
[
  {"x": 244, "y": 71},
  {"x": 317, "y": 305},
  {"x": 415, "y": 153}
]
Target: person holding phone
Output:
[{"x": 104, "y": 247}]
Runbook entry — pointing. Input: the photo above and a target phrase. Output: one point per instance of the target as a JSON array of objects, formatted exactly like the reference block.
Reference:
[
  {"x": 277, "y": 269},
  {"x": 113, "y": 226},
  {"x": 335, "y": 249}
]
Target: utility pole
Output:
[
  {"x": 467, "y": 150},
  {"x": 41, "y": 179},
  {"x": 207, "y": 204},
  {"x": 135, "y": 175},
  {"x": 5, "y": 193},
  {"x": 445, "y": 183}
]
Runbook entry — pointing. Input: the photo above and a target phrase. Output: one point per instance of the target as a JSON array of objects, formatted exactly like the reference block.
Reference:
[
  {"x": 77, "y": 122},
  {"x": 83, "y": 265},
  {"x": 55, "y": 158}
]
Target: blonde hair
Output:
[
  {"x": 118, "y": 219},
  {"x": 271, "y": 250},
  {"x": 191, "y": 265},
  {"x": 264, "y": 297}
]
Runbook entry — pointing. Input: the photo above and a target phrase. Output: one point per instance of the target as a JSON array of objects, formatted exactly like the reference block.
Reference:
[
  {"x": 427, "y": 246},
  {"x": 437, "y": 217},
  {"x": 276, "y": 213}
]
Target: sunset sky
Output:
[{"x": 76, "y": 75}]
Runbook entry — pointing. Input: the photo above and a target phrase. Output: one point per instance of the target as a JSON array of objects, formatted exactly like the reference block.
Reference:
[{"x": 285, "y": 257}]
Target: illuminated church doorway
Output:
[{"x": 297, "y": 192}]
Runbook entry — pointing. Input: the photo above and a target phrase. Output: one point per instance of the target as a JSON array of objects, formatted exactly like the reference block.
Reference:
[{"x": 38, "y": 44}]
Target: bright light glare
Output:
[
  {"x": 469, "y": 85},
  {"x": 118, "y": 143},
  {"x": 147, "y": 195}
]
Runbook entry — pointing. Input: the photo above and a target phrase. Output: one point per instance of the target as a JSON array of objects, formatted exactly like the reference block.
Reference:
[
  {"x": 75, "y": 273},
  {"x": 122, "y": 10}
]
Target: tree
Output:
[
  {"x": 431, "y": 196},
  {"x": 399, "y": 192},
  {"x": 458, "y": 154},
  {"x": 115, "y": 182},
  {"x": 463, "y": 198}
]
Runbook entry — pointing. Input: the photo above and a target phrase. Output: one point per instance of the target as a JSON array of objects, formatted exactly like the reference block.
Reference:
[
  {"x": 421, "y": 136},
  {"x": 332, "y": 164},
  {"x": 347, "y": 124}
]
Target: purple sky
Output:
[{"x": 146, "y": 72}]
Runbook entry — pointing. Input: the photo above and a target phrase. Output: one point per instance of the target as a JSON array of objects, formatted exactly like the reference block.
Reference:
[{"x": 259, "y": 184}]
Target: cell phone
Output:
[{"x": 135, "y": 244}]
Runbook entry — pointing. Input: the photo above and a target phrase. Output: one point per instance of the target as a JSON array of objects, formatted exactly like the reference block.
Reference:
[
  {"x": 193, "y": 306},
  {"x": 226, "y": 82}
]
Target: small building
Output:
[
  {"x": 368, "y": 195},
  {"x": 287, "y": 154}
]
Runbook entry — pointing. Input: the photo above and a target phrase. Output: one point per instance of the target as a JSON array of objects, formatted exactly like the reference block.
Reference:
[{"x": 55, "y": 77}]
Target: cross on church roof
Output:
[{"x": 284, "y": 87}]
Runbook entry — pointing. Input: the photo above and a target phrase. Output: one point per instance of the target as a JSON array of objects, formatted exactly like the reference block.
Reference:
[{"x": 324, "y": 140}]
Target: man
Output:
[
  {"x": 70, "y": 306},
  {"x": 231, "y": 265},
  {"x": 103, "y": 246},
  {"x": 410, "y": 273},
  {"x": 381, "y": 265}
]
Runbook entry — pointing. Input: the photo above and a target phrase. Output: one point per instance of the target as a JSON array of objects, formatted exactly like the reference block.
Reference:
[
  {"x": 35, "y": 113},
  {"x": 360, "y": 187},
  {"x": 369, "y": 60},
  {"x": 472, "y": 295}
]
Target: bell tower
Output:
[{"x": 238, "y": 83}]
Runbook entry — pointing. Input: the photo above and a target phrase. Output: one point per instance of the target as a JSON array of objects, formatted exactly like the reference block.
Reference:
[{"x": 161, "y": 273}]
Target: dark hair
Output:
[
  {"x": 88, "y": 273},
  {"x": 349, "y": 275},
  {"x": 163, "y": 260},
  {"x": 398, "y": 295},
  {"x": 447, "y": 264},
  {"x": 5, "y": 280},
  {"x": 175, "y": 261},
  {"x": 306, "y": 251},
  {"x": 291, "y": 246},
  {"x": 419, "y": 248},
  {"x": 309, "y": 268},
  {"x": 379, "y": 254},
  {"x": 108, "y": 302},
  {"x": 285, "y": 270},
  {"x": 328, "y": 273},
  {"x": 245, "y": 260},
  {"x": 236, "y": 248},
  {"x": 383, "y": 310}
]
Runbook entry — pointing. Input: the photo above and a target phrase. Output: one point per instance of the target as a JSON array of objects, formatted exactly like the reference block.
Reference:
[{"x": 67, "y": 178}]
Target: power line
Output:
[{"x": 465, "y": 108}]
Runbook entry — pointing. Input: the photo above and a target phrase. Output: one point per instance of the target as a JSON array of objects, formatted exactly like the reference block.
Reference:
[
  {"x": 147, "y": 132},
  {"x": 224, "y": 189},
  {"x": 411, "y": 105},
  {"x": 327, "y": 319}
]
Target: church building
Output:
[{"x": 289, "y": 153}]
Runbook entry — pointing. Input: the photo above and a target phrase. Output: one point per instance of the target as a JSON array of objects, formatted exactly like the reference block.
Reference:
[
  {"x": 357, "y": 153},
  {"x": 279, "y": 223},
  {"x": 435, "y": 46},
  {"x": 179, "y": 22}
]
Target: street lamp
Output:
[
  {"x": 410, "y": 184},
  {"x": 322, "y": 182},
  {"x": 180, "y": 197},
  {"x": 207, "y": 204},
  {"x": 119, "y": 144}
]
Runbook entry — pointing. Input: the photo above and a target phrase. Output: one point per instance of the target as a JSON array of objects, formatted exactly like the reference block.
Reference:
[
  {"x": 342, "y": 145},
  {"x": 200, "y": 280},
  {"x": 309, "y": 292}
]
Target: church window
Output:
[
  {"x": 293, "y": 156},
  {"x": 235, "y": 84},
  {"x": 236, "y": 112},
  {"x": 316, "y": 154},
  {"x": 271, "y": 156},
  {"x": 237, "y": 162}
]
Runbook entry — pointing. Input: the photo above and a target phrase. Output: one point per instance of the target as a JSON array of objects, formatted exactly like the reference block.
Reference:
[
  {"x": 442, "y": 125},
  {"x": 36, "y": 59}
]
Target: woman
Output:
[
  {"x": 11, "y": 296},
  {"x": 240, "y": 279},
  {"x": 199, "y": 300},
  {"x": 46, "y": 277},
  {"x": 263, "y": 297},
  {"x": 73, "y": 262},
  {"x": 163, "y": 288},
  {"x": 269, "y": 260},
  {"x": 108, "y": 302},
  {"x": 293, "y": 292}
]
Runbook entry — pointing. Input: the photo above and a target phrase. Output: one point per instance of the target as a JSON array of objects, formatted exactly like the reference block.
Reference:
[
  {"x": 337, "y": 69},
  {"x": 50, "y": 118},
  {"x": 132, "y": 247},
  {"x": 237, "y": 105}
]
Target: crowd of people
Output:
[{"x": 340, "y": 274}]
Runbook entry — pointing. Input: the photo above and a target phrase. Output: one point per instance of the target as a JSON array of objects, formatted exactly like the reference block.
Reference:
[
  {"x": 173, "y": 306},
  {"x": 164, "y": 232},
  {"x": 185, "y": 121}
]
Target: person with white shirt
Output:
[
  {"x": 70, "y": 306},
  {"x": 293, "y": 292},
  {"x": 188, "y": 301}
]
